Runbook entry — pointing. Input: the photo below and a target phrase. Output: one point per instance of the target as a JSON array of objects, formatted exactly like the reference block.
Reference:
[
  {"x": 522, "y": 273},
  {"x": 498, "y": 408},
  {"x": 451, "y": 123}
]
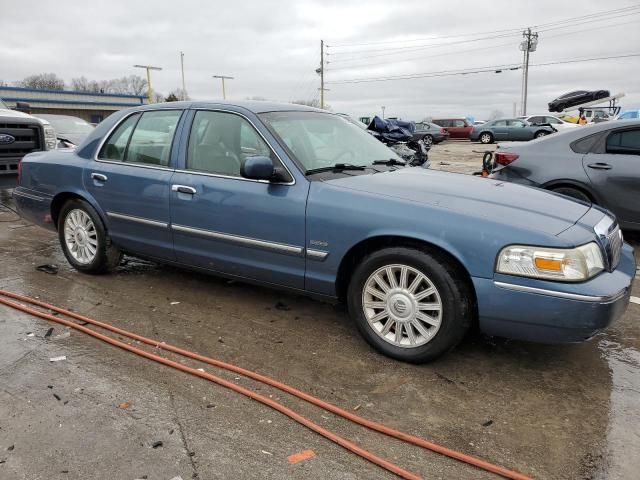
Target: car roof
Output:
[{"x": 254, "y": 106}]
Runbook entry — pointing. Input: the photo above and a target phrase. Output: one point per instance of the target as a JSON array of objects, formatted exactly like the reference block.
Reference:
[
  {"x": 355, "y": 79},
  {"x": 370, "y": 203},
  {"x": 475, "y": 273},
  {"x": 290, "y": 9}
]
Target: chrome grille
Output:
[{"x": 611, "y": 241}]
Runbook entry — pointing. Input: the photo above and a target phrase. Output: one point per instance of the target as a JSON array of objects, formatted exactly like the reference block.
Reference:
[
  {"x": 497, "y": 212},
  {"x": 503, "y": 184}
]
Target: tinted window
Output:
[
  {"x": 498, "y": 123},
  {"x": 536, "y": 120},
  {"x": 516, "y": 123},
  {"x": 152, "y": 138},
  {"x": 219, "y": 142},
  {"x": 442, "y": 123},
  {"x": 459, "y": 123},
  {"x": 116, "y": 146},
  {"x": 625, "y": 142}
]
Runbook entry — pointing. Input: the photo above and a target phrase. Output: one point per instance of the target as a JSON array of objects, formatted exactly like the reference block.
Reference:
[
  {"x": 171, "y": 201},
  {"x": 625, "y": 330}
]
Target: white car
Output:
[{"x": 554, "y": 121}]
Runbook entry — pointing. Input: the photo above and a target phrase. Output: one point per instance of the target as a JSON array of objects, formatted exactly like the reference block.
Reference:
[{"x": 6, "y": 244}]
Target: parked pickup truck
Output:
[
  {"x": 297, "y": 198},
  {"x": 20, "y": 134}
]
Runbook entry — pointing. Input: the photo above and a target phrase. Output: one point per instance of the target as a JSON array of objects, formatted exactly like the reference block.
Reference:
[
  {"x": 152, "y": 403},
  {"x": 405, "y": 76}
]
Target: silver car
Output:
[{"x": 597, "y": 164}]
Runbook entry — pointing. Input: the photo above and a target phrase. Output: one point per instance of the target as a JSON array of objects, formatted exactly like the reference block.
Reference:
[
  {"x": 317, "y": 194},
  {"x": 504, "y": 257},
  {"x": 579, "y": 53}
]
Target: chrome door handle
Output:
[
  {"x": 99, "y": 177},
  {"x": 183, "y": 189},
  {"x": 599, "y": 166}
]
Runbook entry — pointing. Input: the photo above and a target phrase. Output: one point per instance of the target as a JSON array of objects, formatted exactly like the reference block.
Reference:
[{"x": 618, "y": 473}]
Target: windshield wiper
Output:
[
  {"x": 338, "y": 167},
  {"x": 390, "y": 162}
]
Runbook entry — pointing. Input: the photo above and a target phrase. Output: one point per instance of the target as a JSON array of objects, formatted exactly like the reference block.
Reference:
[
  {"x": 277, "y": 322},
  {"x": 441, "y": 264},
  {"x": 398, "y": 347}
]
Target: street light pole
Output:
[
  {"x": 149, "y": 89},
  {"x": 184, "y": 89},
  {"x": 223, "y": 78},
  {"x": 383, "y": 107}
]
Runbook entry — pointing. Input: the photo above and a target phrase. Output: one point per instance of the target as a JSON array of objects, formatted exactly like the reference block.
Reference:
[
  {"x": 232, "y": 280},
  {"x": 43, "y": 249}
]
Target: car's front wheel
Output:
[
  {"x": 541, "y": 133},
  {"x": 409, "y": 304},
  {"x": 84, "y": 240},
  {"x": 486, "y": 138},
  {"x": 428, "y": 140}
]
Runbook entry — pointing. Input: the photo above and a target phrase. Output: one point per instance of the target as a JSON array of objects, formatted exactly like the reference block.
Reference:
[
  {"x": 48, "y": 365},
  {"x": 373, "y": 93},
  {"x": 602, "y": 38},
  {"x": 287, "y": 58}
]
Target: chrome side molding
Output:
[{"x": 131, "y": 218}]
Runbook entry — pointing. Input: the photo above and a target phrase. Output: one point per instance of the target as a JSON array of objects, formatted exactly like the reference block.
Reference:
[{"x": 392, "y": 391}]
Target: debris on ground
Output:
[
  {"x": 266, "y": 453},
  {"x": 357, "y": 407},
  {"x": 220, "y": 340},
  {"x": 487, "y": 423},
  {"x": 48, "y": 268},
  {"x": 124, "y": 405},
  {"x": 301, "y": 456},
  {"x": 11, "y": 448},
  {"x": 157, "y": 444},
  {"x": 49, "y": 332},
  {"x": 282, "y": 306},
  {"x": 57, "y": 397},
  {"x": 174, "y": 303},
  {"x": 58, "y": 359}
]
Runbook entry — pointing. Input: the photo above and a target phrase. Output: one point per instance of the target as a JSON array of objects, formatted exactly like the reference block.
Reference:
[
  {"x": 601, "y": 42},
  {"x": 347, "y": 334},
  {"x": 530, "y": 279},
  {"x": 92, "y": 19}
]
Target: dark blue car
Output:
[{"x": 299, "y": 198}]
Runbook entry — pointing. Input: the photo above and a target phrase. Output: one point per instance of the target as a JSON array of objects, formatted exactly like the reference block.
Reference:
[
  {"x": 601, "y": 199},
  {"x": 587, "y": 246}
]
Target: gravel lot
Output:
[{"x": 553, "y": 412}]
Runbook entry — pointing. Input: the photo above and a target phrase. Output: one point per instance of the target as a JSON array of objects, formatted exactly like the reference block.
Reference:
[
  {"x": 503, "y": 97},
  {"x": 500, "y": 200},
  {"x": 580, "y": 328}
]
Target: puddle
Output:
[{"x": 623, "y": 436}]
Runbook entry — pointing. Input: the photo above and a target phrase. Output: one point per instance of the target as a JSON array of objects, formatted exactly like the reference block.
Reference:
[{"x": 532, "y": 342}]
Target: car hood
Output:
[
  {"x": 476, "y": 196},
  {"x": 16, "y": 114}
]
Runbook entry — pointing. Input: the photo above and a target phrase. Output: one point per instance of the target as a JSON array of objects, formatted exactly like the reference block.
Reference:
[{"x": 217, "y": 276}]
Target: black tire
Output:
[
  {"x": 486, "y": 138},
  {"x": 452, "y": 290},
  {"x": 428, "y": 140},
  {"x": 107, "y": 255},
  {"x": 541, "y": 133},
  {"x": 572, "y": 192}
]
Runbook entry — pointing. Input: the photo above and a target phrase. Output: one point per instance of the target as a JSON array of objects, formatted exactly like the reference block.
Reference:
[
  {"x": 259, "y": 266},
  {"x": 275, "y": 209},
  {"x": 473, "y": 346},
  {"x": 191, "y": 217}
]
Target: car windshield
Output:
[
  {"x": 66, "y": 124},
  {"x": 319, "y": 140}
]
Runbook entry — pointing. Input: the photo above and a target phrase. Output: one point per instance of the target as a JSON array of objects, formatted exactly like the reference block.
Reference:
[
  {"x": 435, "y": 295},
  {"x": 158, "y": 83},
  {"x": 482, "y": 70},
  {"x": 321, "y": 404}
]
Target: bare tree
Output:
[{"x": 43, "y": 81}]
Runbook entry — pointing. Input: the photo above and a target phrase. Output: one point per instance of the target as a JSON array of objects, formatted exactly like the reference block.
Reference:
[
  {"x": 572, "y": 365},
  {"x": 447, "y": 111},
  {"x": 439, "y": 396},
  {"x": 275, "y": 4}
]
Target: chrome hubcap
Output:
[
  {"x": 402, "y": 306},
  {"x": 486, "y": 138},
  {"x": 80, "y": 236}
]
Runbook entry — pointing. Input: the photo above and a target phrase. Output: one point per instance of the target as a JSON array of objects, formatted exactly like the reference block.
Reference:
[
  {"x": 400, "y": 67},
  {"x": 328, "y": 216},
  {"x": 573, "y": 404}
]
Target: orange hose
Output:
[{"x": 274, "y": 383}]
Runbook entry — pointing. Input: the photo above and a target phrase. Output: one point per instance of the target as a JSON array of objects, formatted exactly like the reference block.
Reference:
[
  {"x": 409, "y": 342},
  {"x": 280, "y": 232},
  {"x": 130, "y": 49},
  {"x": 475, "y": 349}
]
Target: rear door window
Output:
[
  {"x": 459, "y": 123},
  {"x": 152, "y": 138},
  {"x": 115, "y": 147},
  {"x": 536, "y": 120}
]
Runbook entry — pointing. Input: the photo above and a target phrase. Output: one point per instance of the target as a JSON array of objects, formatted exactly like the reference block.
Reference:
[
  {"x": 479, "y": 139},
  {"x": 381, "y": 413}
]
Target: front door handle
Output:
[
  {"x": 99, "y": 177},
  {"x": 183, "y": 189},
  {"x": 599, "y": 166}
]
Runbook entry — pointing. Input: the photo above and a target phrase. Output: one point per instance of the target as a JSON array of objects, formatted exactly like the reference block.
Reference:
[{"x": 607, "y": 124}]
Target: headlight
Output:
[
  {"x": 50, "y": 139},
  {"x": 568, "y": 265}
]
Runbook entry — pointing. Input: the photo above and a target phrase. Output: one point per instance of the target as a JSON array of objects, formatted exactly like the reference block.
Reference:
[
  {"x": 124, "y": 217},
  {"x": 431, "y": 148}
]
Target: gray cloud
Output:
[{"x": 272, "y": 48}]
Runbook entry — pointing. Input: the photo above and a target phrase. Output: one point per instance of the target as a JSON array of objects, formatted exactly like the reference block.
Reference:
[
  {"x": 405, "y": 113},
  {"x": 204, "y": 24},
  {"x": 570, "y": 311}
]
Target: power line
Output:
[
  {"x": 486, "y": 69},
  {"x": 589, "y": 17}
]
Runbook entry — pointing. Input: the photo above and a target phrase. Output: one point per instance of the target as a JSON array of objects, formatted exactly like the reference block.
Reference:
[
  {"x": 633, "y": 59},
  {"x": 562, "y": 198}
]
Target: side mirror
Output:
[
  {"x": 258, "y": 168},
  {"x": 23, "y": 107}
]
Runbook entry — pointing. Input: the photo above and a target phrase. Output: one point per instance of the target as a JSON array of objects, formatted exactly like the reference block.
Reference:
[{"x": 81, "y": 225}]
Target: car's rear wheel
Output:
[
  {"x": 541, "y": 133},
  {"x": 84, "y": 240},
  {"x": 486, "y": 138},
  {"x": 428, "y": 140},
  {"x": 409, "y": 304},
  {"x": 573, "y": 193}
]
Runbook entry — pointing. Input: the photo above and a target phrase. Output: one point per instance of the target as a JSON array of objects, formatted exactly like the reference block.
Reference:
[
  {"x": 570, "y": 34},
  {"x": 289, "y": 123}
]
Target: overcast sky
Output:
[{"x": 272, "y": 49}]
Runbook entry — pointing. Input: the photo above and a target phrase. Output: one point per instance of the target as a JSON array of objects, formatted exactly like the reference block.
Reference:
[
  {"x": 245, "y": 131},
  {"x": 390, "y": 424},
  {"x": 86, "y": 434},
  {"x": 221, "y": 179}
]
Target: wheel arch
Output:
[
  {"x": 482, "y": 132},
  {"x": 567, "y": 182},
  {"x": 61, "y": 198},
  {"x": 358, "y": 251}
]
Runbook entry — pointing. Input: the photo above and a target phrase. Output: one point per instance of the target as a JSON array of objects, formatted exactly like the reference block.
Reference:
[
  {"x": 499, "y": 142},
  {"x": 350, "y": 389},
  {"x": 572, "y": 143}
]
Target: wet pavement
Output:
[{"x": 553, "y": 412}]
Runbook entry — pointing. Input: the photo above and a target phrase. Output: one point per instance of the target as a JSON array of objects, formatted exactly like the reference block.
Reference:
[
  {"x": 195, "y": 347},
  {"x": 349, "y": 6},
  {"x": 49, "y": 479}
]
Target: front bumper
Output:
[{"x": 549, "y": 312}]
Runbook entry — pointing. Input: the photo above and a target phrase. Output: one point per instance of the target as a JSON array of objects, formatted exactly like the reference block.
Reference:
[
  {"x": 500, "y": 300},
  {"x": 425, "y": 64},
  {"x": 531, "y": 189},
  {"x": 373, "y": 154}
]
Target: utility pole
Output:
[
  {"x": 223, "y": 78},
  {"x": 528, "y": 45},
  {"x": 149, "y": 89},
  {"x": 184, "y": 89},
  {"x": 383, "y": 107},
  {"x": 320, "y": 71}
]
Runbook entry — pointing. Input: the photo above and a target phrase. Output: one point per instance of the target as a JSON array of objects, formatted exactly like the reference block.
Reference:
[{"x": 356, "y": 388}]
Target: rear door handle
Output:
[
  {"x": 99, "y": 177},
  {"x": 600, "y": 166},
  {"x": 183, "y": 189}
]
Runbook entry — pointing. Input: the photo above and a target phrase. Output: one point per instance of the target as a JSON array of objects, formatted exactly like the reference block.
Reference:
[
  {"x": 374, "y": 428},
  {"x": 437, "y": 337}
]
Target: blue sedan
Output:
[{"x": 301, "y": 199}]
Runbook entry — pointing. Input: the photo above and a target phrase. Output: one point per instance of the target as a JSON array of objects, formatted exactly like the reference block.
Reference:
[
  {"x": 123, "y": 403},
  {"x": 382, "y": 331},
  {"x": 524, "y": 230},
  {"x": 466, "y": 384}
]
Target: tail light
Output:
[{"x": 504, "y": 158}]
